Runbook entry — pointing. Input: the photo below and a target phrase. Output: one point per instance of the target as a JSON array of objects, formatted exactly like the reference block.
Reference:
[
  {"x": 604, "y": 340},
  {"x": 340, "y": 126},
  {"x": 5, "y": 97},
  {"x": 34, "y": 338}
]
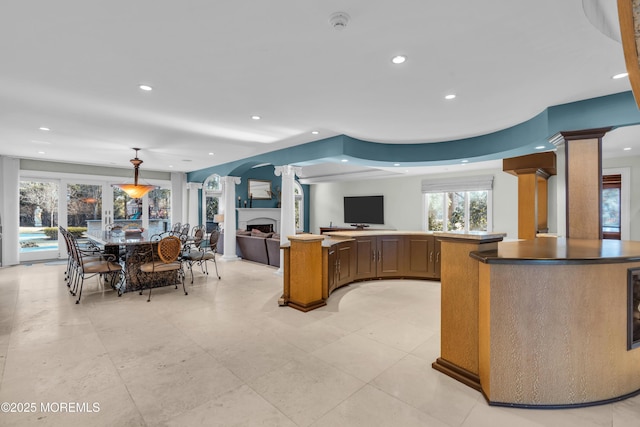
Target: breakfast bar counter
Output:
[{"x": 558, "y": 322}]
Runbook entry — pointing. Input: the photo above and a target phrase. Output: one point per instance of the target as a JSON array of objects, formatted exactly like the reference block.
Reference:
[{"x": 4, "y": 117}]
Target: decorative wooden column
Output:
[
  {"x": 533, "y": 172},
  {"x": 459, "y": 303},
  {"x": 303, "y": 273},
  {"x": 583, "y": 174}
]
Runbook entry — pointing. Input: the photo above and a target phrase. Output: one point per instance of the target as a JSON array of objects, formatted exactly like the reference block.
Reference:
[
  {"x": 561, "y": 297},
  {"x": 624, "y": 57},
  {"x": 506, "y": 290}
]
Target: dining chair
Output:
[
  {"x": 160, "y": 263},
  {"x": 193, "y": 249},
  {"x": 86, "y": 264},
  {"x": 203, "y": 252}
]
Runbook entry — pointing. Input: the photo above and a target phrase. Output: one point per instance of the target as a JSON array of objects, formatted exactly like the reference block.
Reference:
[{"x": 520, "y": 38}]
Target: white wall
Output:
[{"x": 403, "y": 201}]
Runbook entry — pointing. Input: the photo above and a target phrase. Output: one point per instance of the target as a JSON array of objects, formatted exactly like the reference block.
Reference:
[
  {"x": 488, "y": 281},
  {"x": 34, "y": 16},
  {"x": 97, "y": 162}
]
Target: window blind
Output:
[{"x": 467, "y": 183}]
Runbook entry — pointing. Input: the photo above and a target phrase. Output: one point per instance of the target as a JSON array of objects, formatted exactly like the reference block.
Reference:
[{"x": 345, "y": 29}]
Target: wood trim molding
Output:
[
  {"x": 628, "y": 11},
  {"x": 597, "y": 133}
]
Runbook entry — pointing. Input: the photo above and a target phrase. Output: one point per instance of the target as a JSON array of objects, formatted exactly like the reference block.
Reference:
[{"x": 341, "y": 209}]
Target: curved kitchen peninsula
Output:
[
  {"x": 555, "y": 321},
  {"x": 339, "y": 258}
]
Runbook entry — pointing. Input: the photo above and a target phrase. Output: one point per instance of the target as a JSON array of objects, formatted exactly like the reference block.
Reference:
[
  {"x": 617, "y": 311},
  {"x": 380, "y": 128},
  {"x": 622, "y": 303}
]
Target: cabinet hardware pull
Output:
[
  {"x": 430, "y": 256},
  {"x": 373, "y": 256},
  {"x": 437, "y": 256},
  {"x": 379, "y": 257}
]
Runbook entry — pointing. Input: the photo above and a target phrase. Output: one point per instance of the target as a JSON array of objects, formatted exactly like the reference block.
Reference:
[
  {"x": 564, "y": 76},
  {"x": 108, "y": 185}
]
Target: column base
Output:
[{"x": 457, "y": 373}]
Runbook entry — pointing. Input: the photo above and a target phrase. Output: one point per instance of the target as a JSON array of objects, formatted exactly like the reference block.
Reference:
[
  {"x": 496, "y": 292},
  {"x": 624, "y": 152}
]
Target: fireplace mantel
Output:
[{"x": 249, "y": 216}]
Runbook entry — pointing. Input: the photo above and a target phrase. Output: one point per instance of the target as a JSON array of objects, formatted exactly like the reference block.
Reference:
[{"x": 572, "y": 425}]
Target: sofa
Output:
[{"x": 256, "y": 246}]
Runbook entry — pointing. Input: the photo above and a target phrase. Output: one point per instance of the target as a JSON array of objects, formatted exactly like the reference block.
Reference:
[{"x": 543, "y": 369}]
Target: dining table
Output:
[{"x": 128, "y": 246}]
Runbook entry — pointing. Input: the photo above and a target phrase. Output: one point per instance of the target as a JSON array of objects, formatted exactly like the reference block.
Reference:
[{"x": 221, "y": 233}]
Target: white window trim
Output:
[
  {"x": 210, "y": 193},
  {"x": 461, "y": 184},
  {"x": 625, "y": 199}
]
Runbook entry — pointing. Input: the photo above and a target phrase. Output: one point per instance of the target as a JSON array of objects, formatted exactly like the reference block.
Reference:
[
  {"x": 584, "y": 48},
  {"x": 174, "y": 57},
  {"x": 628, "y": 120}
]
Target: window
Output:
[
  {"x": 39, "y": 217},
  {"x": 611, "y": 198},
  {"x": 458, "y": 204},
  {"x": 159, "y": 210},
  {"x": 299, "y": 206},
  {"x": 211, "y": 193}
]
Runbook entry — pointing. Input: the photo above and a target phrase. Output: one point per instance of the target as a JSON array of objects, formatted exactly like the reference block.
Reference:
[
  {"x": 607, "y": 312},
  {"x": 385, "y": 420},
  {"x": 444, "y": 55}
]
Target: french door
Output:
[
  {"x": 46, "y": 204},
  {"x": 39, "y": 216}
]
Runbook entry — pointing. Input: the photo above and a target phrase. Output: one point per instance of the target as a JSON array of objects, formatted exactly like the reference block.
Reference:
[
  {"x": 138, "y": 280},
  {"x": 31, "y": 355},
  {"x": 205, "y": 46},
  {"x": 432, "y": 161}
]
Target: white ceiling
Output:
[{"x": 75, "y": 67}]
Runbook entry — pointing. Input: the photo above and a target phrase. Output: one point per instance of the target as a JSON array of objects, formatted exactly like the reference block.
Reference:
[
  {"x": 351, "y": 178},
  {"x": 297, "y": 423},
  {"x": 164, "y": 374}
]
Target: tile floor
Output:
[{"x": 227, "y": 355}]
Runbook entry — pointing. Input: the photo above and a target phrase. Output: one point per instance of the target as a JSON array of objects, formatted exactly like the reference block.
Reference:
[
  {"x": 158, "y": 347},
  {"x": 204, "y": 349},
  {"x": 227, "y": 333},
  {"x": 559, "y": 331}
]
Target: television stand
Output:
[
  {"x": 360, "y": 226},
  {"x": 345, "y": 228}
]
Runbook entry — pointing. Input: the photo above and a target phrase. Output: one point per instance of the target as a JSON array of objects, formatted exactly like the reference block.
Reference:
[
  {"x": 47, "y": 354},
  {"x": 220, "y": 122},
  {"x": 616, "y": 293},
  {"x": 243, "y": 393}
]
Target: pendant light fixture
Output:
[{"x": 135, "y": 190}]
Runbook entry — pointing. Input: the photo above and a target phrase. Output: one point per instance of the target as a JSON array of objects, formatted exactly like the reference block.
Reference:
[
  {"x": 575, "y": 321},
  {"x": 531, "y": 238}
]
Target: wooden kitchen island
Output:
[
  {"x": 316, "y": 265},
  {"x": 557, "y": 322}
]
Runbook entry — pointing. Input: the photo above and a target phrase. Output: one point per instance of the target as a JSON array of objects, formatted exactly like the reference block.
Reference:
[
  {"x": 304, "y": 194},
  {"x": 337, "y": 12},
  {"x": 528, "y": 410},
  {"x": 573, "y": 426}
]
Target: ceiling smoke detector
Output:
[{"x": 339, "y": 20}]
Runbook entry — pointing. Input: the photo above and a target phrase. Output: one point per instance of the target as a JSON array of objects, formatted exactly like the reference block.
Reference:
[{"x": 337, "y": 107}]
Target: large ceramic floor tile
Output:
[
  {"x": 626, "y": 412},
  {"x": 305, "y": 388},
  {"x": 361, "y": 357},
  {"x": 371, "y": 407},
  {"x": 401, "y": 335},
  {"x": 168, "y": 391},
  {"x": 415, "y": 382},
  {"x": 350, "y": 320},
  {"x": 110, "y": 407},
  {"x": 258, "y": 355},
  {"x": 63, "y": 370},
  {"x": 227, "y": 354},
  {"x": 483, "y": 415},
  {"x": 239, "y": 407},
  {"x": 309, "y": 337}
]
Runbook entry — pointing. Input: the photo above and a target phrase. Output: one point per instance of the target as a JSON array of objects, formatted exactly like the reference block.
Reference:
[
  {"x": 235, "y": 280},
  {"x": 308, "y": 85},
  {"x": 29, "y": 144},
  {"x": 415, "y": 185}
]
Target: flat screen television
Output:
[{"x": 364, "y": 210}]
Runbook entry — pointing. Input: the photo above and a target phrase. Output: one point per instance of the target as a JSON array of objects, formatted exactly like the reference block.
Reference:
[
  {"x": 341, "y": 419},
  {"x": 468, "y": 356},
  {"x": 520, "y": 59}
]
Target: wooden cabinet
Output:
[
  {"x": 339, "y": 266},
  {"x": 378, "y": 256},
  {"x": 389, "y": 256},
  {"x": 438, "y": 259},
  {"x": 365, "y": 248},
  {"x": 352, "y": 258},
  {"x": 345, "y": 263},
  {"x": 422, "y": 256},
  {"x": 330, "y": 269}
]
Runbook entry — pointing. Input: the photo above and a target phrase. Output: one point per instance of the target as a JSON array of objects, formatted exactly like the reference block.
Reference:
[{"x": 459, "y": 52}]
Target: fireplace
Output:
[
  {"x": 258, "y": 216},
  {"x": 265, "y": 228}
]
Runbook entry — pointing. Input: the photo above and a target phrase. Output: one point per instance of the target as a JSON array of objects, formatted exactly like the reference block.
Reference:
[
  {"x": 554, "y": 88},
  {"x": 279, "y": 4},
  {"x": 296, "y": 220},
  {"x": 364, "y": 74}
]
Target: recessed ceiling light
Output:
[
  {"x": 315, "y": 132},
  {"x": 256, "y": 117},
  {"x": 620, "y": 76},
  {"x": 450, "y": 96},
  {"x": 540, "y": 147},
  {"x": 627, "y": 148},
  {"x": 45, "y": 128},
  {"x": 465, "y": 161},
  {"x": 211, "y": 154},
  {"x": 145, "y": 87},
  {"x": 398, "y": 59},
  {"x": 170, "y": 166},
  {"x": 344, "y": 160},
  {"x": 396, "y": 164},
  {"x": 41, "y": 152}
]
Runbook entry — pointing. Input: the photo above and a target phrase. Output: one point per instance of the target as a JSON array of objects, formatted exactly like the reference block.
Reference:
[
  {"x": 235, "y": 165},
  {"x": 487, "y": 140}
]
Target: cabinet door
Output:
[
  {"x": 346, "y": 262},
  {"x": 365, "y": 258},
  {"x": 389, "y": 256},
  {"x": 438, "y": 260},
  {"x": 419, "y": 249},
  {"x": 331, "y": 271}
]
